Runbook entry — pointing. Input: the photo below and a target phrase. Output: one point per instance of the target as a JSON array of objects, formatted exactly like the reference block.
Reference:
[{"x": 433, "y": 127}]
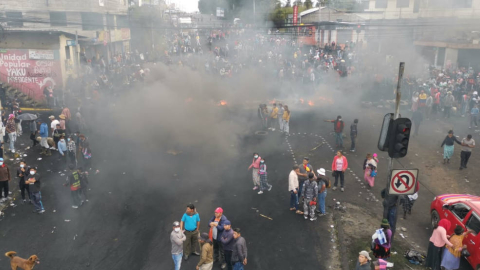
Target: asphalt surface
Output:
[{"x": 140, "y": 191}]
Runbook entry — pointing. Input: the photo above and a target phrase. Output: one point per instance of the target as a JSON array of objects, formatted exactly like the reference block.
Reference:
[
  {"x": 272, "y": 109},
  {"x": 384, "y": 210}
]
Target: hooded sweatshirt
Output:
[{"x": 207, "y": 253}]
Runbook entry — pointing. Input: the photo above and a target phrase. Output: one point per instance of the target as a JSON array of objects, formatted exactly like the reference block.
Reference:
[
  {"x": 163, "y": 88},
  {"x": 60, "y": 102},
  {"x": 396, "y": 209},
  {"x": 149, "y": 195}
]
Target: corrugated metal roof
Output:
[{"x": 308, "y": 11}]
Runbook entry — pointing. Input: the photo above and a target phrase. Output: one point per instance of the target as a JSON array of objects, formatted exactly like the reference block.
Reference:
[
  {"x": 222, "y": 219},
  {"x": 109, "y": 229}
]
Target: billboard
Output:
[
  {"x": 220, "y": 12},
  {"x": 34, "y": 69},
  {"x": 295, "y": 14}
]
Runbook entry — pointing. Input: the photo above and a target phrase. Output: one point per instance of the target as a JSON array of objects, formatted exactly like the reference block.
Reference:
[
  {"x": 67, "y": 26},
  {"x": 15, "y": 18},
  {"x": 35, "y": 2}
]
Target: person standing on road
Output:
[
  {"x": 448, "y": 146},
  {"x": 273, "y": 117},
  {"x": 448, "y": 104},
  {"x": 323, "y": 183},
  {"x": 339, "y": 165},
  {"x": 44, "y": 137},
  {"x": 467, "y": 144},
  {"x": 190, "y": 223},
  {"x": 62, "y": 150},
  {"x": 73, "y": 180},
  {"x": 35, "y": 185},
  {"x": 85, "y": 152},
  {"x": 363, "y": 262},
  {"x": 71, "y": 151},
  {"x": 286, "y": 120},
  {"x": 353, "y": 134},
  {"x": 407, "y": 201},
  {"x": 452, "y": 255},
  {"x": 382, "y": 240},
  {"x": 474, "y": 116},
  {"x": 309, "y": 194},
  {"x": 254, "y": 166},
  {"x": 262, "y": 171},
  {"x": 280, "y": 112},
  {"x": 438, "y": 240},
  {"x": 338, "y": 126},
  {"x": 417, "y": 118},
  {"x": 216, "y": 230},
  {"x": 177, "y": 237},
  {"x": 370, "y": 170},
  {"x": 5, "y": 178},
  {"x": 428, "y": 109},
  {"x": 227, "y": 243},
  {"x": 21, "y": 173},
  {"x": 293, "y": 189},
  {"x": 11, "y": 130},
  {"x": 206, "y": 259},
  {"x": 305, "y": 169},
  {"x": 239, "y": 255},
  {"x": 83, "y": 183},
  {"x": 53, "y": 124},
  {"x": 33, "y": 132}
]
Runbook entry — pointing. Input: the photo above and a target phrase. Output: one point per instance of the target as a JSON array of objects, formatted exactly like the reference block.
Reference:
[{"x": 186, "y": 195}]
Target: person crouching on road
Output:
[
  {"x": 323, "y": 183},
  {"x": 5, "y": 178},
  {"x": 293, "y": 188},
  {"x": 227, "y": 243},
  {"x": 309, "y": 194},
  {"x": 206, "y": 259},
  {"x": 190, "y": 223},
  {"x": 21, "y": 173},
  {"x": 74, "y": 181},
  {"x": 239, "y": 255},
  {"x": 216, "y": 230},
  {"x": 262, "y": 171},
  {"x": 34, "y": 182},
  {"x": 382, "y": 240},
  {"x": 254, "y": 166},
  {"x": 177, "y": 238}
]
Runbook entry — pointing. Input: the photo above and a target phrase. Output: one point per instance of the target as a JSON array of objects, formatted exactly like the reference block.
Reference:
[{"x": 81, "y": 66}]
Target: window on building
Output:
[
  {"x": 122, "y": 21},
  {"x": 461, "y": 3},
  {"x": 14, "y": 19},
  {"x": 403, "y": 3},
  {"x": 58, "y": 18},
  {"x": 67, "y": 52},
  {"x": 381, "y": 3},
  {"x": 416, "y": 6},
  {"x": 92, "y": 21},
  {"x": 111, "y": 21},
  {"x": 365, "y": 4},
  {"x": 438, "y": 3}
]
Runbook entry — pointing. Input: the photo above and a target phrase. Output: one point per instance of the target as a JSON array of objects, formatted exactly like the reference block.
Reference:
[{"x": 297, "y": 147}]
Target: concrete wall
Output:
[
  {"x": 39, "y": 40},
  {"x": 112, "y": 6}
]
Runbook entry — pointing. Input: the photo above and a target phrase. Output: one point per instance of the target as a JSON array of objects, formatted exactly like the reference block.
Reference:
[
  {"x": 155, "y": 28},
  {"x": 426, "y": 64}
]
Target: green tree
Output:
[
  {"x": 308, "y": 4},
  {"x": 288, "y": 4}
]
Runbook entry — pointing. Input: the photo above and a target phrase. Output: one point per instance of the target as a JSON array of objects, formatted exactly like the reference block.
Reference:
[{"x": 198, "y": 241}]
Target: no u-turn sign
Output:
[{"x": 403, "y": 182}]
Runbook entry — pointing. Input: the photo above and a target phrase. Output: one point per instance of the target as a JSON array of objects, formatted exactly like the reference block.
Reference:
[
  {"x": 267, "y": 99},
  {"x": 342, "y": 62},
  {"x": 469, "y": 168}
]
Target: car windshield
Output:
[{"x": 473, "y": 223}]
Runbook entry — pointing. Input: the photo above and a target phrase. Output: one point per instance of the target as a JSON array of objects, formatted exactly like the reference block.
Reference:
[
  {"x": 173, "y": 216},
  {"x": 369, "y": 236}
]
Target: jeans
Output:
[
  {"x": 339, "y": 139},
  {"x": 321, "y": 201},
  {"x": 293, "y": 200},
  {"x": 12, "y": 137},
  {"x": 392, "y": 218},
  {"x": 177, "y": 260},
  {"x": 341, "y": 175},
  {"x": 473, "y": 120},
  {"x": 37, "y": 200},
  {"x": 238, "y": 266},
  {"x": 464, "y": 156},
  {"x": 353, "y": 138},
  {"x": 300, "y": 188}
]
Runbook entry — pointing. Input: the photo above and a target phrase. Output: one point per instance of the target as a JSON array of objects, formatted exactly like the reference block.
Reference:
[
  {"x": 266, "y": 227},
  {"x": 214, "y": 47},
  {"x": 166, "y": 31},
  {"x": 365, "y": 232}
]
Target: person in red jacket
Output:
[
  {"x": 339, "y": 165},
  {"x": 338, "y": 126}
]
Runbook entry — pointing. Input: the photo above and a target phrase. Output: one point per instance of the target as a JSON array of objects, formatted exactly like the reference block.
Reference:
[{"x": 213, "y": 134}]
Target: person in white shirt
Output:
[
  {"x": 293, "y": 189},
  {"x": 54, "y": 123}
]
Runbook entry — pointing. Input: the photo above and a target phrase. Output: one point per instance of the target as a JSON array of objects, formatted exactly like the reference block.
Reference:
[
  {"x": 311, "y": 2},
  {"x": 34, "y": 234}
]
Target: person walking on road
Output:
[
  {"x": 34, "y": 182},
  {"x": 309, "y": 194},
  {"x": 448, "y": 104},
  {"x": 44, "y": 137},
  {"x": 448, "y": 146},
  {"x": 73, "y": 180},
  {"x": 438, "y": 240},
  {"x": 177, "y": 237},
  {"x": 363, "y": 262},
  {"x": 255, "y": 166},
  {"x": 280, "y": 112},
  {"x": 239, "y": 255},
  {"x": 474, "y": 116},
  {"x": 216, "y": 224},
  {"x": 417, "y": 118},
  {"x": 286, "y": 120},
  {"x": 5, "y": 179},
  {"x": 353, "y": 134},
  {"x": 370, "y": 170},
  {"x": 11, "y": 130},
  {"x": 227, "y": 243},
  {"x": 467, "y": 144},
  {"x": 305, "y": 169},
  {"x": 21, "y": 173},
  {"x": 62, "y": 150},
  {"x": 339, "y": 165},
  {"x": 83, "y": 183},
  {"x": 338, "y": 126},
  {"x": 71, "y": 151},
  {"x": 293, "y": 189},
  {"x": 190, "y": 223},
  {"x": 206, "y": 258},
  {"x": 262, "y": 171},
  {"x": 323, "y": 183},
  {"x": 382, "y": 240}
]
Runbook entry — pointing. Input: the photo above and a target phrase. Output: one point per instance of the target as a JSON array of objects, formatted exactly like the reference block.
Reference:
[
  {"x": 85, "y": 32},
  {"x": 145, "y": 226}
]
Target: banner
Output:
[
  {"x": 295, "y": 14},
  {"x": 34, "y": 69}
]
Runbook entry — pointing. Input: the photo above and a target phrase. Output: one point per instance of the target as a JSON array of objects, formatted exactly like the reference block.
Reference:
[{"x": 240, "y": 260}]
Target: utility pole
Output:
[
  {"x": 254, "y": 13},
  {"x": 75, "y": 51}
]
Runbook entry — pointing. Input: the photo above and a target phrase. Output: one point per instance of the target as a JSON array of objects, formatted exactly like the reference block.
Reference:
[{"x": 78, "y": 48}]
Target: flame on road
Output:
[
  {"x": 310, "y": 103},
  {"x": 222, "y": 103}
]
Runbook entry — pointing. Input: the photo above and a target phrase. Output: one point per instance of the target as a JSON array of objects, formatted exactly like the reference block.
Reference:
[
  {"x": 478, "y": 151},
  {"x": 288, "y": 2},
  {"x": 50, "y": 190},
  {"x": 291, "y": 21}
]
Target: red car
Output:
[{"x": 463, "y": 210}]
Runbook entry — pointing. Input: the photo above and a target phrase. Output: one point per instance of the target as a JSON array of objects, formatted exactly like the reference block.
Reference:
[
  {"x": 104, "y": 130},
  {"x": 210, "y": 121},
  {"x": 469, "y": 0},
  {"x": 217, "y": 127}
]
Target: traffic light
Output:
[{"x": 399, "y": 136}]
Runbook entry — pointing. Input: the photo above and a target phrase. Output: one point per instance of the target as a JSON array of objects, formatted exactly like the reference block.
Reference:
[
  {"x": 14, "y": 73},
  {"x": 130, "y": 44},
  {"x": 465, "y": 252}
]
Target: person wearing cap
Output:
[
  {"x": 34, "y": 182},
  {"x": 227, "y": 243},
  {"x": 215, "y": 234},
  {"x": 54, "y": 123},
  {"x": 239, "y": 255},
  {"x": 5, "y": 178},
  {"x": 382, "y": 240},
  {"x": 363, "y": 262},
  {"x": 206, "y": 259},
  {"x": 293, "y": 189},
  {"x": 62, "y": 122},
  {"x": 190, "y": 223},
  {"x": 448, "y": 104},
  {"x": 10, "y": 129},
  {"x": 177, "y": 237},
  {"x": 305, "y": 169},
  {"x": 44, "y": 137},
  {"x": 309, "y": 196},
  {"x": 323, "y": 182}
]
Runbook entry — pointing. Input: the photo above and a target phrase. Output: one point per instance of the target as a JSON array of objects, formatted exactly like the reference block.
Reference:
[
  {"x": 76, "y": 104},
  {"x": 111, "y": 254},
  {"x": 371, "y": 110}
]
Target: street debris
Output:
[
  {"x": 404, "y": 229},
  {"x": 266, "y": 217},
  {"x": 39, "y": 158},
  {"x": 67, "y": 220}
]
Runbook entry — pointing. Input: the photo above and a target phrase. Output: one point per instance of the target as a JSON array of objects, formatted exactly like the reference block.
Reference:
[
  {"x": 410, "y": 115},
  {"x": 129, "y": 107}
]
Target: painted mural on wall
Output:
[{"x": 32, "y": 69}]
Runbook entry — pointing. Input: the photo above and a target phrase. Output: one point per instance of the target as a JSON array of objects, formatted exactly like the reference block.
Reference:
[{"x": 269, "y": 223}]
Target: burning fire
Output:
[
  {"x": 329, "y": 100},
  {"x": 310, "y": 103},
  {"x": 222, "y": 103}
]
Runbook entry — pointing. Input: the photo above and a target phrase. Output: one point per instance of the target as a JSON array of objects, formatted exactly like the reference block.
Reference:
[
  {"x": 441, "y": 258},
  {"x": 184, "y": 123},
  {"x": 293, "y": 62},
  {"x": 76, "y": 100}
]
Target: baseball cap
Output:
[
  {"x": 227, "y": 222},
  {"x": 176, "y": 224},
  {"x": 219, "y": 210},
  {"x": 365, "y": 254}
]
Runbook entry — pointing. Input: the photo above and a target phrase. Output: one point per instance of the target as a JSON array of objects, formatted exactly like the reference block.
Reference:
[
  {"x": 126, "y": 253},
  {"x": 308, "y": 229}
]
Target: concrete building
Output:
[{"x": 38, "y": 39}]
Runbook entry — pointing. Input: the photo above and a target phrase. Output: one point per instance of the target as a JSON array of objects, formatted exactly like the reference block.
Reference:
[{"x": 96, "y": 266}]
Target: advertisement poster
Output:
[{"x": 32, "y": 69}]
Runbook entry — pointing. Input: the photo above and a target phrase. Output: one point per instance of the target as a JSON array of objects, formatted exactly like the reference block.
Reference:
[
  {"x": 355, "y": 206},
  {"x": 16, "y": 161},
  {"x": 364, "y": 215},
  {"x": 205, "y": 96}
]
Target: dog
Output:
[{"x": 17, "y": 262}]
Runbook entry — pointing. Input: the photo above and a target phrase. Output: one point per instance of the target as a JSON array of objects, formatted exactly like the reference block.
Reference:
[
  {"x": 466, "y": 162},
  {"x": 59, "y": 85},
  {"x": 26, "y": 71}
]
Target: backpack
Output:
[{"x": 326, "y": 180}]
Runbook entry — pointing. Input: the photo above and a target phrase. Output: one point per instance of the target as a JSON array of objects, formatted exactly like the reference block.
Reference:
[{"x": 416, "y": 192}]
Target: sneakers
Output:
[
  {"x": 334, "y": 188},
  {"x": 9, "y": 198},
  {"x": 260, "y": 192},
  {"x": 342, "y": 189},
  {"x": 318, "y": 212},
  {"x": 306, "y": 217},
  {"x": 352, "y": 150},
  {"x": 313, "y": 219},
  {"x": 41, "y": 211},
  {"x": 224, "y": 265},
  {"x": 2, "y": 200},
  {"x": 196, "y": 253},
  {"x": 24, "y": 201},
  {"x": 270, "y": 188},
  {"x": 74, "y": 206},
  {"x": 185, "y": 257},
  {"x": 255, "y": 188}
]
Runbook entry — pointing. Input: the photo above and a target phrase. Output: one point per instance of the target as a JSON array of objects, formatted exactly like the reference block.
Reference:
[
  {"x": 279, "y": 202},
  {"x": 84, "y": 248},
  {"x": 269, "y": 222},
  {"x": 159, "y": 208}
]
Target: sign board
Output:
[
  {"x": 295, "y": 14},
  {"x": 403, "y": 181},
  {"x": 220, "y": 12},
  {"x": 41, "y": 54},
  {"x": 71, "y": 43}
]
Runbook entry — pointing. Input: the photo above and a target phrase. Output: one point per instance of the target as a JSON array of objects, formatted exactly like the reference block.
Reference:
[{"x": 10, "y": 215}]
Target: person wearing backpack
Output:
[{"x": 323, "y": 184}]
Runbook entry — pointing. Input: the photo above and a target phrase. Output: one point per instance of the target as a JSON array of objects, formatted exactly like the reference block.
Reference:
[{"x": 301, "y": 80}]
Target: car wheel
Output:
[{"x": 435, "y": 218}]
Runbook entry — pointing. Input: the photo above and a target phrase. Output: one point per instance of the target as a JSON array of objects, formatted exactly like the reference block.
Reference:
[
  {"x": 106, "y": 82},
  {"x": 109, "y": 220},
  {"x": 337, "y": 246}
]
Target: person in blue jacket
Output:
[
  {"x": 216, "y": 230},
  {"x": 227, "y": 243},
  {"x": 44, "y": 136}
]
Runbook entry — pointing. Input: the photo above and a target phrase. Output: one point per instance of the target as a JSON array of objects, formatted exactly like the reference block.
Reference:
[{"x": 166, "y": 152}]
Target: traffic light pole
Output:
[{"x": 387, "y": 211}]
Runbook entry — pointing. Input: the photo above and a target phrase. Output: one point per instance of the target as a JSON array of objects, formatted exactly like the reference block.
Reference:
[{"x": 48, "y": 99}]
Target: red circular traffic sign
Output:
[{"x": 408, "y": 186}]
